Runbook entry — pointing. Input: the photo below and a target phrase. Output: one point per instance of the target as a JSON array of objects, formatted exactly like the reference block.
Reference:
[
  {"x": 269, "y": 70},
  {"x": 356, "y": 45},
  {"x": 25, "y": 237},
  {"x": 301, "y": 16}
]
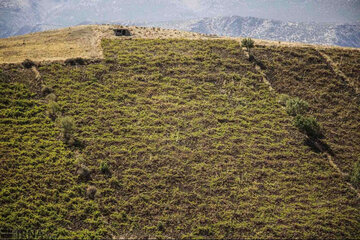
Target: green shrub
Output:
[
  {"x": 51, "y": 97},
  {"x": 68, "y": 127},
  {"x": 75, "y": 61},
  {"x": 248, "y": 43},
  {"x": 45, "y": 90},
  {"x": 296, "y": 106},
  {"x": 283, "y": 98},
  {"x": 53, "y": 110},
  {"x": 355, "y": 175},
  {"x": 308, "y": 125},
  {"x": 104, "y": 167},
  {"x": 161, "y": 227}
]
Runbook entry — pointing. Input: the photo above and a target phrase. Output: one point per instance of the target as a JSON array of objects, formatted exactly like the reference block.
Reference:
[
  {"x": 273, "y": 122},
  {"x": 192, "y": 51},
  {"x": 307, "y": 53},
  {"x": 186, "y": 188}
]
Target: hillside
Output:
[
  {"x": 347, "y": 35},
  {"x": 180, "y": 138}
]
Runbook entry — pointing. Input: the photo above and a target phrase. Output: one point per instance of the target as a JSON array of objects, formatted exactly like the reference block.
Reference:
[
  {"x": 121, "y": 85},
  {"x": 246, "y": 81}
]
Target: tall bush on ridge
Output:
[{"x": 248, "y": 43}]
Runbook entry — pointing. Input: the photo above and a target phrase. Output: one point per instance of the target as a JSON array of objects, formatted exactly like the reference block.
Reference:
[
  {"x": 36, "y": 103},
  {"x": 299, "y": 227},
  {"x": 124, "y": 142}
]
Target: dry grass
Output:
[
  {"x": 79, "y": 41},
  {"x": 49, "y": 45}
]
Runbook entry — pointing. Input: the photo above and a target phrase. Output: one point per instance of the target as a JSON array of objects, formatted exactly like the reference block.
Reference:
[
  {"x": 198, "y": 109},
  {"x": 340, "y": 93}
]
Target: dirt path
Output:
[
  {"x": 95, "y": 43},
  {"x": 36, "y": 72},
  {"x": 263, "y": 74},
  {"x": 337, "y": 70},
  {"x": 344, "y": 175}
]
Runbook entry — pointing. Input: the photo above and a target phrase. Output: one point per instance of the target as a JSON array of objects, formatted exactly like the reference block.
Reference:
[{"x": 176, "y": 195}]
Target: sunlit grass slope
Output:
[
  {"x": 182, "y": 139},
  {"x": 51, "y": 45}
]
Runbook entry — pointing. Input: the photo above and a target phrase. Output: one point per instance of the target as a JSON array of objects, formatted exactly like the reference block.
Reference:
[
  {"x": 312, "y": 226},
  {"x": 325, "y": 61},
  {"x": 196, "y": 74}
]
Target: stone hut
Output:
[{"x": 122, "y": 32}]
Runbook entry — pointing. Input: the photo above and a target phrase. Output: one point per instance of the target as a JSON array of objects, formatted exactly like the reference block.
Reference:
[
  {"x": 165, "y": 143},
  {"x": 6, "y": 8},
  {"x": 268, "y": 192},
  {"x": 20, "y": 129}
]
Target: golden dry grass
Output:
[
  {"x": 49, "y": 45},
  {"x": 79, "y": 41}
]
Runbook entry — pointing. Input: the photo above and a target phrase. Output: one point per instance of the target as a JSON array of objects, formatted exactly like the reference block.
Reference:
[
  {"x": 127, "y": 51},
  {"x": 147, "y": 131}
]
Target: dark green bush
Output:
[
  {"x": 161, "y": 227},
  {"x": 308, "y": 125},
  {"x": 296, "y": 106},
  {"x": 75, "y": 61},
  {"x": 104, "y": 167},
  {"x": 248, "y": 43},
  {"x": 355, "y": 175}
]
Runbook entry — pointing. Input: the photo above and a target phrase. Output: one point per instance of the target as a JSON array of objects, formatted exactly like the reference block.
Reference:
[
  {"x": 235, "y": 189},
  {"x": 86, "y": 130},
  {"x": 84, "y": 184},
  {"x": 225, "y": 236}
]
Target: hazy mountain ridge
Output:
[
  {"x": 235, "y": 26},
  {"x": 25, "y": 16},
  {"x": 19, "y": 17}
]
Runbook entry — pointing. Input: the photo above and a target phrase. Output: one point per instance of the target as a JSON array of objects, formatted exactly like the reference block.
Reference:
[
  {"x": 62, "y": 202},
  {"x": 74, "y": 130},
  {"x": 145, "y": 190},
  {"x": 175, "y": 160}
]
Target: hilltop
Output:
[
  {"x": 170, "y": 134},
  {"x": 85, "y": 41},
  {"x": 80, "y": 41}
]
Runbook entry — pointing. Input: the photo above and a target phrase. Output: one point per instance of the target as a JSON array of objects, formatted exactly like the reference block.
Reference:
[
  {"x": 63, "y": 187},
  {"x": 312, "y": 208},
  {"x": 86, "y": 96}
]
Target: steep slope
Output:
[
  {"x": 235, "y": 26},
  {"x": 180, "y": 138}
]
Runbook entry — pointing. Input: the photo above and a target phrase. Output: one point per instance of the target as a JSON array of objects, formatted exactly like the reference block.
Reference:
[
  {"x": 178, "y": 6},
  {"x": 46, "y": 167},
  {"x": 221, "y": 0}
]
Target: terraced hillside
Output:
[{"x": 175, "y": 139}]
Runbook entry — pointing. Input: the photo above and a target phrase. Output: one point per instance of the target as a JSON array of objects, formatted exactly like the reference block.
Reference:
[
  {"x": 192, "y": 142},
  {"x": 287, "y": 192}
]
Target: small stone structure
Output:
[{"x": 122, "y": 32}]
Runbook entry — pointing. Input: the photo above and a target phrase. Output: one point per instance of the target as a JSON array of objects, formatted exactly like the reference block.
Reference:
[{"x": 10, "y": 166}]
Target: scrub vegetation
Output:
[{"x": 178, "y": 139}]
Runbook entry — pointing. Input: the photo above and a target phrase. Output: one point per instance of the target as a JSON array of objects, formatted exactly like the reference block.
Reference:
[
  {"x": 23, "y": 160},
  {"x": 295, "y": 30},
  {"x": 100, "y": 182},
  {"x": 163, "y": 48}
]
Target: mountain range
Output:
[
  {"x": 19, "y": 17},
  {"x": 347, "y": 35}
]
